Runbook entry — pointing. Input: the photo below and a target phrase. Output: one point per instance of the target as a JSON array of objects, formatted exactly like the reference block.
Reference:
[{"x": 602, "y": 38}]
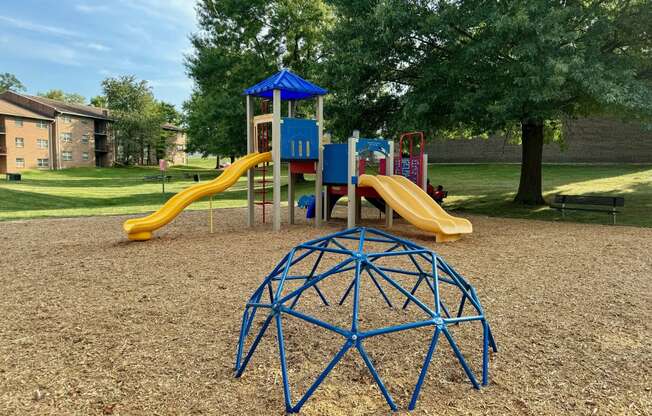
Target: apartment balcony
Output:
[
  {"x": 101, "y": 132},
  {"x": 101, "y": 149}
]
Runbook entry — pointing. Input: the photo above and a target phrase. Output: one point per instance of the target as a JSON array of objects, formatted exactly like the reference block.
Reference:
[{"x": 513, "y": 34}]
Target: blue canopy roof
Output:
[{"x": 292, "y": 87}]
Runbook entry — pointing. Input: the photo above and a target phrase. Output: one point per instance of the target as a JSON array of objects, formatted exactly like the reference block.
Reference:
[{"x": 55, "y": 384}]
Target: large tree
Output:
[
  {"x": 485, "y": 66},
  {"x": 238, "y": 44},
  {"x": 59, "y": 95},
  {"x": 138, "y": 118},
  {"x": 9, "y": 82}
]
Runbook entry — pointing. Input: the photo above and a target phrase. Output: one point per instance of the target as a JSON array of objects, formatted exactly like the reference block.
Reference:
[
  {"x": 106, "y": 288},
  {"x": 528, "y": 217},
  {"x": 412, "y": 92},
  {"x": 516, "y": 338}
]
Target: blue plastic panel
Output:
[
  {"x": 373, "y": 145},
  {"x": 336, "y": 164},
  {"x": 299, "y": 139}
]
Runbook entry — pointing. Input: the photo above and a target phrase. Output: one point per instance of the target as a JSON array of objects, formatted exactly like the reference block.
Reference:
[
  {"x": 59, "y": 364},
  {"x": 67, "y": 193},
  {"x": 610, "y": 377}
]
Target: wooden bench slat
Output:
[{"x": 614, "y": 201}]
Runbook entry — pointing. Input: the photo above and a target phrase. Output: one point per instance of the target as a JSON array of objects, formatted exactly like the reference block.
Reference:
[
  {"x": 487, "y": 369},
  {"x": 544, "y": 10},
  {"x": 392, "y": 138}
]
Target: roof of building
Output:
[
  {"x": 73, "y": 109},
  {"x": 11, "y": 109},
  {"x": 292, "y": 87},
  {"x": 171, "y": 127}
]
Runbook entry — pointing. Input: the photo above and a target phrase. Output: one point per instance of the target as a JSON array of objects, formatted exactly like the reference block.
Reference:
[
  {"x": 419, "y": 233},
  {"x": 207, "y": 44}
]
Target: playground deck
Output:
[{"x": 92, "y": 324}]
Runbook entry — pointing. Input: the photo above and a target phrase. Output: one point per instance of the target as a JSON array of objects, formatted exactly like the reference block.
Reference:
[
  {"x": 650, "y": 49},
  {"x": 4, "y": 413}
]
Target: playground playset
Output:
[
  {"x": 340, "y": 169},
  {"x": 279, "y": 294}
]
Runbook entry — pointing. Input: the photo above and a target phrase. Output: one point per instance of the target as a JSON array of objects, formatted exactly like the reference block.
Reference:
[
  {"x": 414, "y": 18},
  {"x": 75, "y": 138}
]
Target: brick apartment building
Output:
[{"x": 40, "y": 133}]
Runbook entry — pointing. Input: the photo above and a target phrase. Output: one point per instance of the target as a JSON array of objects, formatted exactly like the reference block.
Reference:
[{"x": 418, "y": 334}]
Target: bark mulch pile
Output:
[{"x": 93, "y": 324}]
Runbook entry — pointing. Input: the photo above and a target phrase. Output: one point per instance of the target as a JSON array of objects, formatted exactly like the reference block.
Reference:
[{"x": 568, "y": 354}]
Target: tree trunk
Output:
[
  {"x": 529, "y": 188},
  {"x": 217, "y": 162},
  {"x": 232, "y": 157}
]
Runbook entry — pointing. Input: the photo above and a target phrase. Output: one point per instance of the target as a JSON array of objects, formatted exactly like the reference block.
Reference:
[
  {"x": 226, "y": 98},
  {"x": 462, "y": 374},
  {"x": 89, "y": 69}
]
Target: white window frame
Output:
[
  {"x": 66, "y": 137},
  {"x": 20, "y": 164},
  {"x": 22, "y": 142},
  {"x": 66, "y": 118},
  {"x": 18, "y": 122},
  {"x": 41, "y": 124},
  {"x": 66, "y": 156},
  {"x": 85, "y": 156},
  {"x": 43, "y": 163},
  {"x": 86, "y": 138},
  {"x": 40, "y": 143}
]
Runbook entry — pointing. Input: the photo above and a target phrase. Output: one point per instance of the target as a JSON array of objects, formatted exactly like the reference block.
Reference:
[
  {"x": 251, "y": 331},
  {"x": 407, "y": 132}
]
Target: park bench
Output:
[
  {"x": 608, "y": 204},
  {"x": 13, "y": 177}
]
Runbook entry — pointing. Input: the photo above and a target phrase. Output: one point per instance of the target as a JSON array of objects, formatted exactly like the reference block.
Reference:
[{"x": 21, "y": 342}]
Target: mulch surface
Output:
[{"x": 92, "y": 324}]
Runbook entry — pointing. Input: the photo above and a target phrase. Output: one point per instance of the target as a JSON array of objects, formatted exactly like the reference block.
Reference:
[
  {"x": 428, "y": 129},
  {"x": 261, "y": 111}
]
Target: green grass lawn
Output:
[{"x": 484, "y": 189}]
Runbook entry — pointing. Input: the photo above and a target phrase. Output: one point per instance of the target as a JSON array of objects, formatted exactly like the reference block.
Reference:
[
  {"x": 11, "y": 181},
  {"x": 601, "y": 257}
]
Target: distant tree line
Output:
[{"x": 452, "y": 68}]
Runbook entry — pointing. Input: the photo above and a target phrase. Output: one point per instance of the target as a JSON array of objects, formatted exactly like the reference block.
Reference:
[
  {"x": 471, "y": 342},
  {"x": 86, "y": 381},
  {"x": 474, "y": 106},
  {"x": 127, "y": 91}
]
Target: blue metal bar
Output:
[
  {"x": 448, "y": 315},
  {"x": 374, "y": 373},
  {"x": 356, "y": 295},
  {"x": 402, "y": 290},
  {"x": 492, "y": 342},
  {"x": 407, "y": 243},
  {"x": 435, "y": 284},
  {"x": 316, "y": 280},
  {"x": 424, "y": 369},
  {"x": 372, "y": 239},
  {"x": 316, "y": 321},
  {"x": 260, "y": 305},
  {"x": 392, "y": 270},
  {"x": 396, "y": 253},
  {"x": 485, "y": 353},
  {"x": 380, "y": 289},
  {"x": 362, "y": 236},
  {"x": 340, "y": 245},
  {"x": 460, "y": 358},
  {"x": 238, "y": 352},
  {"x": 284, "y": 368},
  {"x": 331, "y": 236},
  {"x": 348, "y": 290},
  {"x": 279, "y": 289},
  {"x": 328, "y": 249},
  {"x": 414, "y": 289},
  {"x": 347, "y": 345},
  {"x": 254, "y": 345},
  {"x": 464, "y": 319},
  {"x": 395, "y": 328}
]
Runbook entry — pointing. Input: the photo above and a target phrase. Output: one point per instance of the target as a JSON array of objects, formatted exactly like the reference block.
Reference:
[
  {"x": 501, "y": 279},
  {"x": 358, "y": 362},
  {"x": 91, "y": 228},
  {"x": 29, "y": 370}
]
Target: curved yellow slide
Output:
[
  {"x": 140, "y": 229},
  {"x": 416, "y": 206}
]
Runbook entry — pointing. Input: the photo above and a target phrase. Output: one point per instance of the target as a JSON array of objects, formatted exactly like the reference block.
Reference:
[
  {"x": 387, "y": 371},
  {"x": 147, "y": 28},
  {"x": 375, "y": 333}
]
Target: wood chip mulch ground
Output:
[{"x": 91, "y": 324}]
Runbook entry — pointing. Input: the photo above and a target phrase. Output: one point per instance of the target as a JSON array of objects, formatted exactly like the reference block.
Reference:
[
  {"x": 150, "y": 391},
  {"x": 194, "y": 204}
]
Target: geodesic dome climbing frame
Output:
[{"x": 279, "y": 293}]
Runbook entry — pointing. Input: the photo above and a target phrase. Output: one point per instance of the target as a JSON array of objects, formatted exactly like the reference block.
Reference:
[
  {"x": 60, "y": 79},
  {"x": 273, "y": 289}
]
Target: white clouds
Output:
[
  {"x": 97, "y": 47},
  {"x": 179, "y": 11},
  {"x": 37, "y": 27},
  {"x": 91, "y": 8}
]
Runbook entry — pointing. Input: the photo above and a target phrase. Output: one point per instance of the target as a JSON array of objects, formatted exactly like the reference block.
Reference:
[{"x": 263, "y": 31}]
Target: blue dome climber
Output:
[{"x": 363, "y": 253}]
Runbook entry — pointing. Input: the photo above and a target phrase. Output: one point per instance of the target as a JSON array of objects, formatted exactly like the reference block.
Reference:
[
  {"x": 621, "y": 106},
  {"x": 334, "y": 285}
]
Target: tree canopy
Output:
[
  {"x": 59, "y": 95},
  {"x": 238, "y": 44},
  {"x": 483, "y": 66},
  {"x": 138, "y": 119},
  {"x": 9, "y": 82}
]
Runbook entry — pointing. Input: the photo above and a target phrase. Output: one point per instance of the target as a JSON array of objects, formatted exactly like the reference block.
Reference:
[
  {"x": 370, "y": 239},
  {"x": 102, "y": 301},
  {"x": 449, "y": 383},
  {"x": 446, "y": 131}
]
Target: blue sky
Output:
[{"x": 74, "y": 44}]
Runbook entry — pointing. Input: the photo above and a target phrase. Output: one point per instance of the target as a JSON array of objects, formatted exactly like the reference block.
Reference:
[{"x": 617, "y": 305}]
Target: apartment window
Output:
[
  {"x": 85, "y": 138},
  {"x": 66, "y": 119},
  {"x": 66, "y": 155},
  {"x": 66, "y": 137},
  {"x": 18, "y": 122},
  {"x": 42, "y": 124},
  {"x": 42, "y": 143},
  {"x": 20, "y": 162},
  {"x": 84, "y": 121},
  {"x": 180, "y": 147},
  {"x": 85, "y": 155},
  {"x": 20, "y": 142},
  {"x": 43, "y": 163}
]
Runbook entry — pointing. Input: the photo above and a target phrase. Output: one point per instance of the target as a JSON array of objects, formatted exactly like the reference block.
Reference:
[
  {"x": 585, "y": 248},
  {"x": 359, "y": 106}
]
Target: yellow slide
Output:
[
  {"x": 416, "y": 206},
  {"x": 140, "y": 229}
]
